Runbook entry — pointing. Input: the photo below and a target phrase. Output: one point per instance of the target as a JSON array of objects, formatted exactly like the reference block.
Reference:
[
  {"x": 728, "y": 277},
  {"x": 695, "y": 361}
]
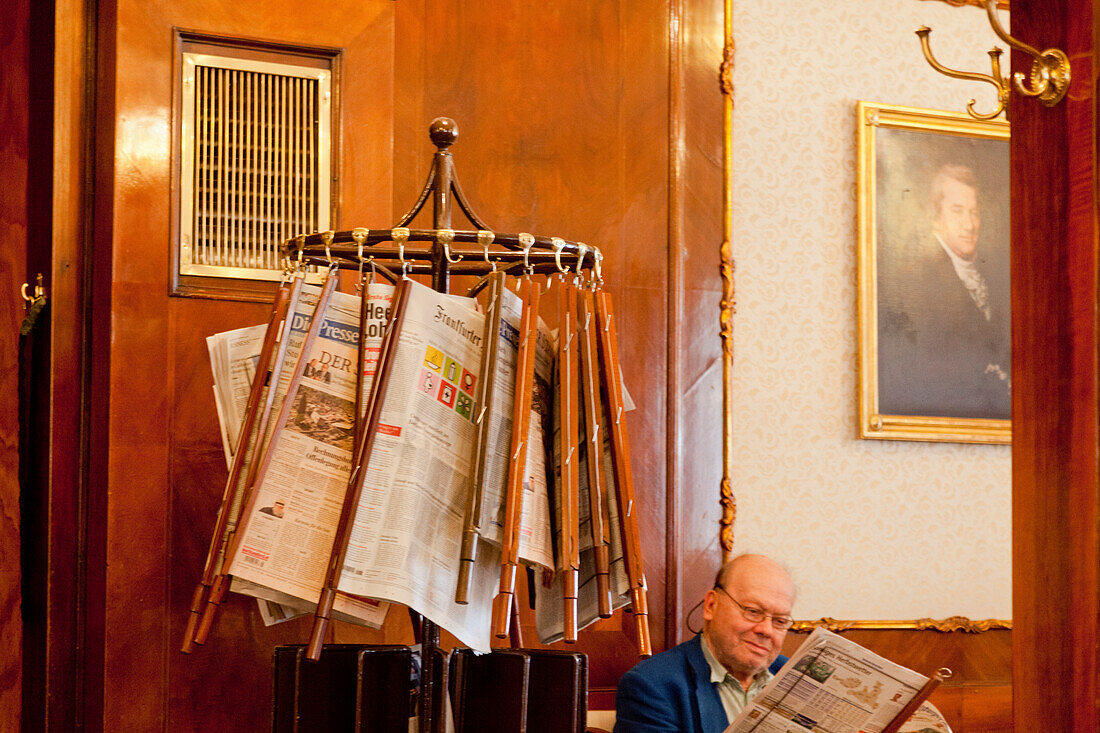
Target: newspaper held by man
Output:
[
  {"x": 405, "y": 542},
  {"x": 927, "y": 719},
  {"x": 831, "y": 685},
  {"x": 288, "y": 534},
  {"x": 535, "y": 546}
]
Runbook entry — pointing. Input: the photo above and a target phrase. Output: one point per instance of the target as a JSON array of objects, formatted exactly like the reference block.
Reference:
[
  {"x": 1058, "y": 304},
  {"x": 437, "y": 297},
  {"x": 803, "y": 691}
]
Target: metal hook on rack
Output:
[
  {"x": 288, "y": 269},
  {"x": 400, "y": 235},
  {"x": 582, "y": 250},
  {"x": 485, "y": 238},
  {"x": 528, "y": 241},
  {"x": 445, "y": 237},
  {"x": 558, "y": 244},
  {"x": 597, "y": 268},
  {"x": 359, "y": 236},
  {"x": 326, "y": 239}
]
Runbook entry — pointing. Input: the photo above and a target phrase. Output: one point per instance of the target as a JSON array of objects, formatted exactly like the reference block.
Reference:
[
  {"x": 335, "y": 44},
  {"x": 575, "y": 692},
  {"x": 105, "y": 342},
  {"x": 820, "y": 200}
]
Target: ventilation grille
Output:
[{"x": 255, "y": 163}]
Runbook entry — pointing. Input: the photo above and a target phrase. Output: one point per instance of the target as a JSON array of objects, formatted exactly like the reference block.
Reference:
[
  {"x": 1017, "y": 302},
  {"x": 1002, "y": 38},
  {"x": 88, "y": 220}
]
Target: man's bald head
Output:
[
  {"x": 749, "y": 591},
  {"x": 754, "y": 565}
]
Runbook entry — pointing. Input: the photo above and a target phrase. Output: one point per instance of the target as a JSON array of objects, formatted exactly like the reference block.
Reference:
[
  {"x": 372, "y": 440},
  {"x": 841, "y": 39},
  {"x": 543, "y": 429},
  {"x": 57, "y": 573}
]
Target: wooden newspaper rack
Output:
[{"x": 588, "y": 347}]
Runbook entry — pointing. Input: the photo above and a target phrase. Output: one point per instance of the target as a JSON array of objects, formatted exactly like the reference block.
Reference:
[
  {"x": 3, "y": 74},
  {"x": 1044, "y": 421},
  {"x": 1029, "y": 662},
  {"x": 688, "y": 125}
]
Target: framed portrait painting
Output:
[{"x": 934, "y": 319}]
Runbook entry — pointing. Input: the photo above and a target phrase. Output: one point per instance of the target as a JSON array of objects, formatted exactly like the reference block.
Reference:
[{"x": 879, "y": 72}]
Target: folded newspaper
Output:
[
  {"x": 833, "y": 685},
  {"x": 309, "y": 466}
]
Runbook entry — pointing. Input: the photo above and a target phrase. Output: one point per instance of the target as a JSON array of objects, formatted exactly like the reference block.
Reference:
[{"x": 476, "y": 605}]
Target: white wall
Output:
[{"x": 872, "y": 530}]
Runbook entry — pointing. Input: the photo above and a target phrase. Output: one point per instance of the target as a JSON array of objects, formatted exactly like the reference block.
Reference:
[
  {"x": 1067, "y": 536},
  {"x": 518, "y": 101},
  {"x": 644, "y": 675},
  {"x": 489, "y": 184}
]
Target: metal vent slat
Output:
[{"x": 258, "y": 167}]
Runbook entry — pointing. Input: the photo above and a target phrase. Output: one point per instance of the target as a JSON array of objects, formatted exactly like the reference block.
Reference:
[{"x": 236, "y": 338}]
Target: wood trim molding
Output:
[
  {"x": 726, "y": 306},
  {"x": 952, "y": 623},
  {"x": 1001, "y": 4}
]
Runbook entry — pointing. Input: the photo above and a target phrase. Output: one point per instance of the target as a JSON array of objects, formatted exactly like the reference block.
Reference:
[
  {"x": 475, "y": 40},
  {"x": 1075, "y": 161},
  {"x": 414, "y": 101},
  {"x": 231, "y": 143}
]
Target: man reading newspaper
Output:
[
  {"x": 732, "y": 679},
  {"x": 702, "y": 684}
]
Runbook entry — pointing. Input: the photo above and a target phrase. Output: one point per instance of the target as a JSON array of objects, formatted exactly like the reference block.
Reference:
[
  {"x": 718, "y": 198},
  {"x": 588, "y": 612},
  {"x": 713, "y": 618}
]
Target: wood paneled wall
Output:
[
  {"x": 166, "y": 469},
  {"x": 14, "y": 158},
  {"x": 600, "y": 122},
  {"x": 563, "y": 116}
]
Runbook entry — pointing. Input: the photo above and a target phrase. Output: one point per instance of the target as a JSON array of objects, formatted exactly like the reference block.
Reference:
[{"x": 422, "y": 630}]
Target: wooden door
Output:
[{"x": 1055, "y": 298}]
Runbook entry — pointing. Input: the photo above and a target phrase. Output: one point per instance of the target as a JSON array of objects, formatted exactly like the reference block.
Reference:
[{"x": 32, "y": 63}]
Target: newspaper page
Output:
[
  {"x": 288, "y": 536},
  {"x": 535, "y": 543},
  {"x": 405, "y": 543},
  {"x": 379, "y": 298},
  {"x": 233, "y": 358},
  {"x": 360, "y": 611},
  {"x": 831, "y": 685}
]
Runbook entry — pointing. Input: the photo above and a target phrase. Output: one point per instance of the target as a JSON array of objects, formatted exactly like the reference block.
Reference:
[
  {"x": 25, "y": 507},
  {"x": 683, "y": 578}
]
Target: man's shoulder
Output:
[{"x": 671, "y": 662}]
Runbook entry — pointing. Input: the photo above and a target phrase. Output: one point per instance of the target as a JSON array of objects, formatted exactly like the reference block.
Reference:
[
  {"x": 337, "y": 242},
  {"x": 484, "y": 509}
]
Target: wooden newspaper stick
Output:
[
  {"x": 598, "y": 509},
  {"x": 220, "y": 585},
  {"x": 568, "y": 543},
  {"x": 911, "y": 707},
  {"x": 361, "y": 364},
  {"x": 620, "y": 459},
  {"x": 244, "y": 439},
  {"x": 471, "y": 527},
  {"x": 517, "y": 465},
  {"x": 264, "y": 450},
  {"x": 515, "y": 631},
  {"x": 359, "y": 471}
]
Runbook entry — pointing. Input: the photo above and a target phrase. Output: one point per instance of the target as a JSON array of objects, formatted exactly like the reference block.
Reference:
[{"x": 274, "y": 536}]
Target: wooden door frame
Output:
[
  {"x": 63, "y": 447},
  {"x": 1055, "y": 297}
]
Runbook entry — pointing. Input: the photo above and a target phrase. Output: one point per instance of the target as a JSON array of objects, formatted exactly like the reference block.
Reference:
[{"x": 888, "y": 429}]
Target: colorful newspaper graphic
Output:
[{"x": 404, "y": 546}]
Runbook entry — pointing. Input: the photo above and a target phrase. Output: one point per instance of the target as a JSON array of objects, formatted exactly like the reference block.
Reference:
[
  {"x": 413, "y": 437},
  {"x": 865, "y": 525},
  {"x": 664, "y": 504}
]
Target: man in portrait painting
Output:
[{"x": 943, "y": 316}]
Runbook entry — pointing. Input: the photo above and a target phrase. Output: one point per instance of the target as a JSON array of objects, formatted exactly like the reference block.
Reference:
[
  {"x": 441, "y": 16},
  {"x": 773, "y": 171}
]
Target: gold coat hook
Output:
[
  {"x": 1049, "y": 70},
  {"x": 1049, "y": 78},
  {"x": 995, "y": 79}
]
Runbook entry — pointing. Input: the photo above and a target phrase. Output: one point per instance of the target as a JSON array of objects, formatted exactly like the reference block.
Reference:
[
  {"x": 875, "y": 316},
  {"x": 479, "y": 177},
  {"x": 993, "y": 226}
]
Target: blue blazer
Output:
[{"x": 671, "y": 692}]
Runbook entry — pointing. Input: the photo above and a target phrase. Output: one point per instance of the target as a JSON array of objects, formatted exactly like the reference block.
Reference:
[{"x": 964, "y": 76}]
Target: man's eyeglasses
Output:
[{"x": 755, "y": 615}]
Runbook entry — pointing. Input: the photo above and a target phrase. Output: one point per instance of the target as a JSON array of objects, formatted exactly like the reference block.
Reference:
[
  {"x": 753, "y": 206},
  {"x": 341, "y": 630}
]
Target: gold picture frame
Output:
[{"x": 934, "y": 346}]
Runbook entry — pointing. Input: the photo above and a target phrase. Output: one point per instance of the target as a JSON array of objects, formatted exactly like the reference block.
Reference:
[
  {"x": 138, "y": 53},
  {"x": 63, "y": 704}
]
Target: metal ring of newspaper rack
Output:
[{"x": 344, "y": 246}]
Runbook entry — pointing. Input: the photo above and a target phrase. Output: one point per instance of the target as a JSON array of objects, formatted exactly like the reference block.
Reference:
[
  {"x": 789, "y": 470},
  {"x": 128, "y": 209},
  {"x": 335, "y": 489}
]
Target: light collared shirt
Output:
[
  {"x": 972, "y": 280},
  {"x": 734, "y": 697}
]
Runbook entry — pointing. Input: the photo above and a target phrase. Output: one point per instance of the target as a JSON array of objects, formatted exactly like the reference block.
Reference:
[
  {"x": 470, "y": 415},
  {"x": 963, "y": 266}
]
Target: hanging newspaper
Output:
[
  {"x": 834, "y": 685},
  {"x": 549, "y": 614},
  {"x": 535, "y": 546},
  {"x": 233, "y": 357},
  {"x": 286, "y": 536},
  {"x": 405, "y": 541}
]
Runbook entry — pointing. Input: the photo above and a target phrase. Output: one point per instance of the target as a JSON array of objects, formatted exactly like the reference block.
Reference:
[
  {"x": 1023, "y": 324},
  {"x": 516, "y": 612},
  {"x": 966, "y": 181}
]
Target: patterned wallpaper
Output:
[{"x": 872, "y": 530}]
